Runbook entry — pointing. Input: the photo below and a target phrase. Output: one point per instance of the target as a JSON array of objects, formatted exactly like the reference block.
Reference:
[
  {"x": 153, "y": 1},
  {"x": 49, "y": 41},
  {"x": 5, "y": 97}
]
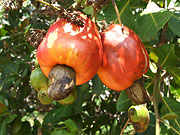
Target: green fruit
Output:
[
  {"x": 2, "y": 107},
  {"x": 43, "y": 97},
  {"x": 139, "y": 117},
  {"x": 38, "y": 79},
  {"x": 70, "y": 99},
  {"x": 36, "y": 63}
]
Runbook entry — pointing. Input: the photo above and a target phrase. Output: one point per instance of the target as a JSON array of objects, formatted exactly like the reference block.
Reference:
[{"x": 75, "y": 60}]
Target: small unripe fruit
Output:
[
  {"x": 38, "y": 79},
  {"x": 139, "y": 117},
  {"x": 43, "y": 97},
  {"x": 70, "y": 99}
]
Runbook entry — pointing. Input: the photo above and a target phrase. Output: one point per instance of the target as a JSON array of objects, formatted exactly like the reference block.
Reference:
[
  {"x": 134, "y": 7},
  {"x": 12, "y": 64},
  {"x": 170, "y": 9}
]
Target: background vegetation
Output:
[{"x": 97, "y": 109}]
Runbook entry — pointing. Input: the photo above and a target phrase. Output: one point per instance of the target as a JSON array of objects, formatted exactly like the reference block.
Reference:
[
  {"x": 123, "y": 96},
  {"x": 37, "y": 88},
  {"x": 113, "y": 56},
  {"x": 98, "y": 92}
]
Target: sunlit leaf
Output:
[
  {"x": 151, "y": 20},
  {"x": 166, "y": 56}
]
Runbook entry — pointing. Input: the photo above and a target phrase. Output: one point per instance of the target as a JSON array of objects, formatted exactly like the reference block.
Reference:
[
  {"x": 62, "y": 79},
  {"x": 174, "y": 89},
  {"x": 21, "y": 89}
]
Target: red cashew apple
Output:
[
  {"x": 125, "y": 58},
  {"x": 78, "y": 48}
]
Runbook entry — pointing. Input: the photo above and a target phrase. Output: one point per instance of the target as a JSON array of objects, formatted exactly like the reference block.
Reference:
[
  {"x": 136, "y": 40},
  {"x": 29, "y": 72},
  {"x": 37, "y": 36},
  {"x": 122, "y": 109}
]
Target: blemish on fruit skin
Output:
[
  {"x": 84, "y": 37},
  {"x": 90, "y": 35}
]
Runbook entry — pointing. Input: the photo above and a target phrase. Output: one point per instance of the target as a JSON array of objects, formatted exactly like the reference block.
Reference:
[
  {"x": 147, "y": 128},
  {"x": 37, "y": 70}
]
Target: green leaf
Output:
[
  {"x": 17, "y": 124},
  {"x": 169, "y": 116},
  {"x": 88, "y": 10},
  {"x": 9, "y": 118},
  {"x": 151, "y": 20},
  {"x": 167, "y": 56},
  {"x": 137, "y": 4},
  {"x": 98, "y": 87},
  {"x": 123, "y": 102},
  {"x": 126, "y": 15},
  {"x": 175, "y": 89},
  {"x": 174, "y": 23},
  {"x": 25, "y": 129},
  {"x": 153, "y": 57},
  {"x": 115, "y": 128},
  {"x": 61, "y": 132},
  {"x": 173, "y": 105},
  {"x": 175, "y": 71},
  {"x": 8, "y": 66},
  {"x": 175, "y": 108},
  {"x": 71, "y": 126},
  {"x": 82, "y": 95},
  {"x": 56, "y": 114},
  {"x": 2, "y": 32}
]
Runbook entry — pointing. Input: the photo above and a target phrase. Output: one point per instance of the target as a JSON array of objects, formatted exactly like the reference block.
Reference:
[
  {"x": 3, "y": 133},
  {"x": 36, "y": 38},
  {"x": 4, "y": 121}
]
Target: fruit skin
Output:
[
  {"x": 43, "y": 97},
  {"x": 77, "y": 47},
  {"x": 125, "y": 58},
  {"x": 70, "y": 99},
  {"x": 139, "y": 117},
  {"x": 38, "y": 79}
]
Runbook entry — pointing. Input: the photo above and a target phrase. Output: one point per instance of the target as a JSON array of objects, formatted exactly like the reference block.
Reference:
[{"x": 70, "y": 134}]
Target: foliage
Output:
[{"x": 97, "y": 109}]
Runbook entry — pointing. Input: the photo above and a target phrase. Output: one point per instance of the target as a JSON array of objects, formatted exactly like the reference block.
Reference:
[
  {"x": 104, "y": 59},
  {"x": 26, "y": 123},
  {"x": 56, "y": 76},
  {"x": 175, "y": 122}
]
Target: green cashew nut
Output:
[
  {"x": 43, "y": 97},
  {"x": 70, "y": 99},
  {"x": 38, "y": 79},
  {"x": 139, "y": 117}
]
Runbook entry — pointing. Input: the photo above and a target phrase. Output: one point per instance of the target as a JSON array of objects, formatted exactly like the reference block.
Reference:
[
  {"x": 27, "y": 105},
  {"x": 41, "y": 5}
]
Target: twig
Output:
[
  {"x": 48, "y": 4},
  {"x": 94, "y": 16},
  {"x": 124, "y": 127},
  {"x": 155, "y": 93},
  {"x": 117, "y": 11},
  {"x": 170, "y": 127}
]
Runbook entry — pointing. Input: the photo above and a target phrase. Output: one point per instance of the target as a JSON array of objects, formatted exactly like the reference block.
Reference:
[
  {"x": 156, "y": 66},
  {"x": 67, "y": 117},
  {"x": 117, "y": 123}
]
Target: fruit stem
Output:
[
  {"x": 117, "y": 11},
  {"x": 124, "y": 126},
  {"x": 62, "y": 82},
  {"x": 48, "y": 4}
]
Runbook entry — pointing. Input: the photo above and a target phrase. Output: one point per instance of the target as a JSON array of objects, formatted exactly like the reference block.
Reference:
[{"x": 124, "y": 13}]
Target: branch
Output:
[
  {"x": 48, "y": 4},
  {"x": 155, "y": 93}
]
